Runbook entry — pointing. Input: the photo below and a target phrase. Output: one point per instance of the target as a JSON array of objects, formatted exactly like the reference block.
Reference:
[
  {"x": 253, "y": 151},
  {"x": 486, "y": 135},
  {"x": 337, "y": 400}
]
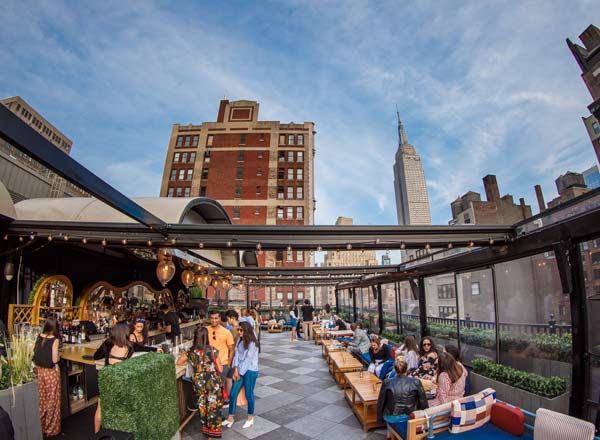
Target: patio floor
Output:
[{"x": 297, "y": 398}]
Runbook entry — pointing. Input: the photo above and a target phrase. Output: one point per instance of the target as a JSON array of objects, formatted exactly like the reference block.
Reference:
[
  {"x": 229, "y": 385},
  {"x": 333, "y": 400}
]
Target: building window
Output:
[
  {"x": 447, "y": 311},
  {"x": 243, "y": 139},
  {"x": 280, "y": 192},
  {"x": 289, "y": 256},
  {"x": 187, "y": 191},
  {"x": 257, "y": 210},
  {"x": 281, "y": 156},
  {"x": 280, "y": 213},
  {"x": 300, "y": 139},
  {"x": 207, "y": 156},
  {"x": 290, "y": 174},
  {"x": 236, "y": 212},
  {"x": 261, "y": 137},
  {"x": 290, "y": 192},
  {"x": 202, "y": 191},
  {"x": 597, "y": 274},
  {"x": 290, "y": 213},
  {"x": 299, "y": 295},
  {"x": 170, "y": 192},
  {"x": 282, "y": 139},
  {"x": 195, "y": 140},
  {"x": 181, "y": 175},
  {"x": 281, "y": 173},
  {"x": 595, "y": 257},
  {"x": 205, "y": 173},
  {"x": 278, "y": 255},
  {"x": 290, "y": 156},
  {"x": 259, "y": 171},
  {"x": 259, "y": 154},
  {"x": 176, "y": 157},
  {"x": 290, "y": 139},
  {"x": 239, "y": 173},
  {"x": 290, "y": 296},
  {"x": 300, "y": 155},
  {"x": 179, "y": 192},
  {"x": 189, "y": 174},
  {"x": 596, "y": 128},
  {"x": 238, "y": 192},
  {"x": 299, "y": 213},
  {"x": 300, "y": 193},
  {"x": 179, "y": 141},
  {"x": 241, "y": 155},
  {"x": 299, "y": 173},
  {"x": 257, "y": 190},
  {"x": 280, "y": 296},
  {"x": 188, "y": 141},
  {"x": 191, "y": 157},
  {"x": 173, "y": 175},
  {"x": 446, "y": 291},
  {"x": 299, "y": 256},
  {"x": 475, "y": 288},
  {"x": 209, "y": 140}
]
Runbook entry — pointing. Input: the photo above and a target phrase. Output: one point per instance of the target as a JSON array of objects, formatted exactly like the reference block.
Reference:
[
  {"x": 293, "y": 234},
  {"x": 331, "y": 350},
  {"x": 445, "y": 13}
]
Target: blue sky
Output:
[{"x": 482, "y": 87}]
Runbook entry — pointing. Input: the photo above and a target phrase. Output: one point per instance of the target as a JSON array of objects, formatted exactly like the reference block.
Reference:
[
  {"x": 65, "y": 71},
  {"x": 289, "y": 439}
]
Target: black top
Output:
[
  {"x": 172, "y": 319},
  {"x": 400, "y": 395},
  {"x": 341, "y": 325},
  {"x": 104, "y": 352},
  {"x": 382, "y": 355},
  {"x": 307, "y": 312},
  {"x": 42, "y": 352}
]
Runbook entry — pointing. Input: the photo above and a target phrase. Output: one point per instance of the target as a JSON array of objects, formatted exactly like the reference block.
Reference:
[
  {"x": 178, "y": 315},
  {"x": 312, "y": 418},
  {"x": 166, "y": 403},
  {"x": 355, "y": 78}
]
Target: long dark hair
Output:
[
  {"x": 144, "y": 330},
  {"x": 247, "y": 335},
  {"x": 119, "y": 334},
  {"x": 51, "y": 327},
  {"x": 410, "y": 343},
  {"x": 200, "y": 339},
  {"x": 327, "y": 308},
  {"x": 447, "y": 364},
  {"x": 432, "y": 348}
]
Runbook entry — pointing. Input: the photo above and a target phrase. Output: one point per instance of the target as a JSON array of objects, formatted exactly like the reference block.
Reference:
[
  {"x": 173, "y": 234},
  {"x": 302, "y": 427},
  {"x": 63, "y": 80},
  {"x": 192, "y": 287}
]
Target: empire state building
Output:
[{"x": 412, "y": 202}]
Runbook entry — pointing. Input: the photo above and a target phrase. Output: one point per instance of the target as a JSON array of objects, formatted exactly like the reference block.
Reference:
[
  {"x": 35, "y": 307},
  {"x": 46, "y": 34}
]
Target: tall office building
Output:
[
  {"x": 24, "y": 177},
  {"x": 412, "y": 202},
  {"x": 261, "y": 172}
]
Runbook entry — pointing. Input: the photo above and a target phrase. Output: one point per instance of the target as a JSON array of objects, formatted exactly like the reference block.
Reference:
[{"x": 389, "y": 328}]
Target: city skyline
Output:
[{"x": 481, "y": 94}]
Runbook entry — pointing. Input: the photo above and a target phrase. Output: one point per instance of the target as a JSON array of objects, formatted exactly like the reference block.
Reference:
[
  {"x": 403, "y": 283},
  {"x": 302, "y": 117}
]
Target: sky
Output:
[{"x": 482, "y": 87}]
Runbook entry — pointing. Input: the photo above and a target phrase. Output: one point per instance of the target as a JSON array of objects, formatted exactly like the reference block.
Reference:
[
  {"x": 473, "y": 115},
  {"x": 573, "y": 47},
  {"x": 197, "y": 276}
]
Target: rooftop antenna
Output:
[{"x": 402, "y": 139}]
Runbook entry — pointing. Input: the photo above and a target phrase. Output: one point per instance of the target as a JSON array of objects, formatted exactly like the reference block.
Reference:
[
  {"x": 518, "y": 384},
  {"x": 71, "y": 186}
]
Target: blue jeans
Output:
[{"x": 248, "y": 380}]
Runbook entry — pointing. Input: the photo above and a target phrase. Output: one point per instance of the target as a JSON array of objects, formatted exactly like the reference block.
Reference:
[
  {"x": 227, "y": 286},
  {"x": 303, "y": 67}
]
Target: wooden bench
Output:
[
  {"x": 362, "y": 397},
  {"x": 275, "y": 328}
]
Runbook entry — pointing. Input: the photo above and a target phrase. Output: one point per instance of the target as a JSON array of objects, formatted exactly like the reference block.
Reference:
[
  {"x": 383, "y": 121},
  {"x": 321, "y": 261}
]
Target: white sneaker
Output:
[
  {"x": 248, "y": 423},
  {"x": 226, "y": 423}
]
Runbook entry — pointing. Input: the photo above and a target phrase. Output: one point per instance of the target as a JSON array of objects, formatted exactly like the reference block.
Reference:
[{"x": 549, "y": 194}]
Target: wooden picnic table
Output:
[
  {"x": 362, "y": 397},
  {"x": 343, "y": 362},
  {"x": 327, "y": 346}
]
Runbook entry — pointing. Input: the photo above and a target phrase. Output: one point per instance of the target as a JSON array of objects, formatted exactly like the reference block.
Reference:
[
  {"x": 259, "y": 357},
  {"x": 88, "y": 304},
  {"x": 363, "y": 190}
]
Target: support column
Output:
[
  {"x": 337, "y": 299},
  {"x": 354, "y": 305},
  {"x": 380, "y": 308},
  {"x": 418, "y": 290},
  {"x": 398, "y": 308},
  {"x": 247, "y": 296}
]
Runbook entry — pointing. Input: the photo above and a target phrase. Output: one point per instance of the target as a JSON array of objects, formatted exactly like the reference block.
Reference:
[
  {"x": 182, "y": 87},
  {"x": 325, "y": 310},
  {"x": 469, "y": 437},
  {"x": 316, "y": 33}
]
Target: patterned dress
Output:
[
  {"x": 208, "y": 387},
  {"x": 427, "y": 368}
]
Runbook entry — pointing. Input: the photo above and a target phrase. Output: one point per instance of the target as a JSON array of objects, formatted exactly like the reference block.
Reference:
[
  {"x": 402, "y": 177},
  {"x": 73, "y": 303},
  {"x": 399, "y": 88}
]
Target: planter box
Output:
[
  {"x": 24, "y": 410},
  {"x": 518, "y": 397}
]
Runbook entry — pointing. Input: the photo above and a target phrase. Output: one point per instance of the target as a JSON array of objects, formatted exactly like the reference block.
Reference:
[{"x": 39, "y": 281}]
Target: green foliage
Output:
[
  {"x": 196, "y": 293},
  {"x": 140, "y": 396},
  {"x": 534, "y": 383},
  {"x": 392, "y": 337},
  {"x": 35, "y": 287}
]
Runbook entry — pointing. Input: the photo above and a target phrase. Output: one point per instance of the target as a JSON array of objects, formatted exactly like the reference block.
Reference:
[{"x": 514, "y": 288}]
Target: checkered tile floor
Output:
[{"x": 296, "y": 398}]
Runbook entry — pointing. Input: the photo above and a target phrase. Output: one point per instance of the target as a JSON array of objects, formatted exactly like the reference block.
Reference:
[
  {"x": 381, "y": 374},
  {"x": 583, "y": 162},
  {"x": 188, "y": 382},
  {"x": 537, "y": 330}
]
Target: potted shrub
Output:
[
  {"x": 529, "y": 391},
  {"x": 19, "y": 389}
]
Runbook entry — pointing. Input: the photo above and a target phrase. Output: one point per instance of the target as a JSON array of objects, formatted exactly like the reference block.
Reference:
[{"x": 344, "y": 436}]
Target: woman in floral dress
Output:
[
  {"x": 208, "y": 385},
  {"x": 428, "y": 361}
]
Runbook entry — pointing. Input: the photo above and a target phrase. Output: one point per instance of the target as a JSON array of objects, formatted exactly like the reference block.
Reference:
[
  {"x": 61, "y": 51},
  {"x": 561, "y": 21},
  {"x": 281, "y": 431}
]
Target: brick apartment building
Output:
[{"x": 262, "y": 172}]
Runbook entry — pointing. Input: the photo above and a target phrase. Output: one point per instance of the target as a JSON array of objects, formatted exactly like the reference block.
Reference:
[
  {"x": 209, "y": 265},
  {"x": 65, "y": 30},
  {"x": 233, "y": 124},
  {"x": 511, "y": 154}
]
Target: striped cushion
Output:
[
  {"x": 550, "y": 425},
  {"x": 471, "y": 412}
]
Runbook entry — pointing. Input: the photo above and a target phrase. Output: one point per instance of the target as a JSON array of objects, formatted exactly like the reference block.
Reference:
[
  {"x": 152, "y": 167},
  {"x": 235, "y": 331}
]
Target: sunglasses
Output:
[
  {"x": 142, "y": 320},
  {"x": 426, "y": 344}
]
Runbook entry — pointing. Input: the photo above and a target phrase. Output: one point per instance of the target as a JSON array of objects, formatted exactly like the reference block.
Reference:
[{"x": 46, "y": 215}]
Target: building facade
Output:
[
  {"x": 262, "y": 172},
  {"x": 412, "y": 201},
  {"x": 569, "y": 186},
  {"x": 592, "y": 127},
  {"x": 591, "y": 177},
  {"x": 24, "y": 177}
]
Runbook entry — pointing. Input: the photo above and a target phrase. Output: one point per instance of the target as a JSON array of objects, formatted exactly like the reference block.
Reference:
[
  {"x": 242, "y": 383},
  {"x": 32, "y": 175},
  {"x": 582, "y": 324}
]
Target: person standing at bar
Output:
[
  {"x": 169, "y": 321},
  {"x": 45, "y": 358},
  {"x": 221, "y": 339},
  {"x": 245, "y": 373},
  {"x": 308, "y": 313}
]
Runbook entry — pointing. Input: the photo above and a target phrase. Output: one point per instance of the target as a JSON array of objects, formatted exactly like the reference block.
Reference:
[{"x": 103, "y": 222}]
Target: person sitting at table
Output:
[
  {"x": 411, "y": 352},
  {"x": 340, "y": 324},
  {"x": 451, "y": 380},
  {"x": 428, "y": 361},
  {"x": 379, "y": 353},
  {"x": 113, "y": 350},
  {"x": 360, "y": 343},
  {"x": 401, "y": 394},
  {"x": 208, "y": 384}
]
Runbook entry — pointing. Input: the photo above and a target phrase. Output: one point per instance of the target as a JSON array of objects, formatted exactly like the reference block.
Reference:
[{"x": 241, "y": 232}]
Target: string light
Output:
[
  {"x": 258, "y": 246},
  {"x": 471, "y": 244},
  {"x": 32, "y": 236},
  {"x": 6, "y": 237},
  {"x": 84, "y": 240},
  {"x": 173, "y": 240},
  {"x": 289, "y": 248},
  {"x": 66, "y": 238},
  {"x": 201, "y": 245},
  {"x": 319, "y": 248},
  {"x": 104, "y": 242},
  {"x": 377, "y": 240},
  {"x": 150, "y": 243},
  {"x": 229, "y": 244},
  {"x": 427, "y": 246},
  {"x": 49, "y": 237},
  {"x": 402, "y": 245},
  {"x": 20, "y": 238},
  {"x": 349, "y": 246},
  {"x": 449, "y": 245},
  {"x": 124, "y": 241},
  {"x": 491, "y": 241}
]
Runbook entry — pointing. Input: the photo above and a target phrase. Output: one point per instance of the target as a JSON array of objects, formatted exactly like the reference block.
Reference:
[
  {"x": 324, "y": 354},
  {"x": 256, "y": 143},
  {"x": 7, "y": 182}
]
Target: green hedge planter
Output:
[{"x": 140, "y": 396}]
